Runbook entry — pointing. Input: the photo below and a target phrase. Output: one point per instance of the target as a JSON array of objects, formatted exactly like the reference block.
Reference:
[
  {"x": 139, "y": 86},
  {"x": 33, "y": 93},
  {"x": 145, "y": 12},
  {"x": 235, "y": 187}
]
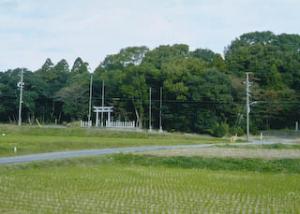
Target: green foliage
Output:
[
  {"x": 214, "y": 60},
  {"x": 220, "y": 130},
  {"x": 74, "y": 99},
  {"x": 201, "y": 89},
  {"x": 239, "y": 131},
  {"x": 80, "y": 66},
  {"x": 48, "y": 65},
  {"x": 275, "y": 63},
  {"x": 257, "y": 165},
  {"x": 165, "y": 53},
  {"x": 126, "y": 57}
]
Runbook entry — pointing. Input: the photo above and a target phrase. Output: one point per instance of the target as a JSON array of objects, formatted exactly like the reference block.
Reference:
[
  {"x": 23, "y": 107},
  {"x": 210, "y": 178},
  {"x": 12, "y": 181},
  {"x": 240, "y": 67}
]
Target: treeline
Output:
[{"x": 203, "y": 92}]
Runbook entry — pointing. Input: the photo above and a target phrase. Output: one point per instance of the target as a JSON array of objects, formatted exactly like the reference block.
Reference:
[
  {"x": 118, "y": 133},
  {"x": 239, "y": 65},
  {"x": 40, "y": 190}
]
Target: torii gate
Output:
[{"x": 105, "y": 109}]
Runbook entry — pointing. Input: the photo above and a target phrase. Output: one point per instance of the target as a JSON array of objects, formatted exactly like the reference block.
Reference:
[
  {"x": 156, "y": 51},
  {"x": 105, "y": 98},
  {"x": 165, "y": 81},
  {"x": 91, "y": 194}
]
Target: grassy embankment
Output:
[{"x": 30, "y": 140}]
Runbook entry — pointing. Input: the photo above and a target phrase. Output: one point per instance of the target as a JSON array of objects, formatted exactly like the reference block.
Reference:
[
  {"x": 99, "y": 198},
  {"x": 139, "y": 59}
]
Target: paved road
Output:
[{"x": 97, "y": 152}]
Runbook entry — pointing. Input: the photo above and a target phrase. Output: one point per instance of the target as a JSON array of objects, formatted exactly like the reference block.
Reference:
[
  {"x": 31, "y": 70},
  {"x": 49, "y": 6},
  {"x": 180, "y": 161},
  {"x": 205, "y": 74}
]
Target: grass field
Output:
[
  {"x": 130, "y": 184},
  {"x": 142, "y": 183},
  {"x": 37, "y": 140}
]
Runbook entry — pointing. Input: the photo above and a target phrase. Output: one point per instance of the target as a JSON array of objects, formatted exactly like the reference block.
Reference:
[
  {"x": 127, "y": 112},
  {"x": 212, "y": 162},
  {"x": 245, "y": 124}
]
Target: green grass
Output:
[
  {"x": 38, "y": 140},
  {"x": 120, "y": 184},
  {"x": 256, "y": 165}
]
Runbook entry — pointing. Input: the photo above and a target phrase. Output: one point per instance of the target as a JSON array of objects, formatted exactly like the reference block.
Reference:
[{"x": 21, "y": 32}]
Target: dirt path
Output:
[{"x": 231, "y": 152}]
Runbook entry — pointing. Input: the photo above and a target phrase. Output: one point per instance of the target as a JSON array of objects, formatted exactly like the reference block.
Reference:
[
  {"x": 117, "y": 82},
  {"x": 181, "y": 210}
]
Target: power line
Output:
[
  {"x": 183, "y": 101},
  {"x": 198, "y": 101}
]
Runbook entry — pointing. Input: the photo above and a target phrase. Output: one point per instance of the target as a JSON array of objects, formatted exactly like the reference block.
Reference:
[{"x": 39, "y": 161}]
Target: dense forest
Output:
[{"x": 203, "y": 91}]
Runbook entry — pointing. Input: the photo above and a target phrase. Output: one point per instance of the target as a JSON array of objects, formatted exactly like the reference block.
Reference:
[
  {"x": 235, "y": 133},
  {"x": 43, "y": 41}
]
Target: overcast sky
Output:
[{"x": 32, "y": 30}]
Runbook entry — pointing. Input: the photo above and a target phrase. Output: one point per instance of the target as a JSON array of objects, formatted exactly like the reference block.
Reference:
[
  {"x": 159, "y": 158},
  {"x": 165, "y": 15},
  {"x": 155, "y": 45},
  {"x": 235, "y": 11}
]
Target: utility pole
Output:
[
  {"x": 160, "y": 111},
  {"x": 90, "y": 102},
  {"x": 21, "y": 86},
  {"x": 248, "y": 92},
  {"x": 150, "y": 109},
  {"x": 103, "y": 96}
]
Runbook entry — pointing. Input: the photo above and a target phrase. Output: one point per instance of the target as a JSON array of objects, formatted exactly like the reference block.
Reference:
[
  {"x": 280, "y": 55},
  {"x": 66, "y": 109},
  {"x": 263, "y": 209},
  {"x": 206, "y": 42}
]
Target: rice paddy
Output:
[{"x": 103, "y": 185}]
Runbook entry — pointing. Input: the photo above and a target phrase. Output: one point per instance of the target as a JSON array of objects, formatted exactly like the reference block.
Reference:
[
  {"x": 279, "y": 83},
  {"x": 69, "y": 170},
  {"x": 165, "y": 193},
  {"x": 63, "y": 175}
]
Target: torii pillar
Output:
[{"x": 105, "y": 109}]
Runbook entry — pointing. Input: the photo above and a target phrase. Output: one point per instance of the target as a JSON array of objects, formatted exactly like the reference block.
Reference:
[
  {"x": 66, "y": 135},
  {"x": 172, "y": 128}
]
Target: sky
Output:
[{"x": 33, "y": 30}]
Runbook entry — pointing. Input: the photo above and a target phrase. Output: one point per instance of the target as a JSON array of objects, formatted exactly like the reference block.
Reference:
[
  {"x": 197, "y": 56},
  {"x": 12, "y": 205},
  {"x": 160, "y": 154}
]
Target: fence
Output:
[
  {"x": 285, "y": 134},
  {"x": 85, "y": 124},
  {"x": 121, "y": 124}
]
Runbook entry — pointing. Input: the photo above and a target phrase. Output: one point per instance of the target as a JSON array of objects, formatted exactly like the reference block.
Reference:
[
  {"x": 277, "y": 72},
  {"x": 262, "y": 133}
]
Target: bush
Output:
[
  {"x": 238, "y": 130},
  {"x": 220, "y": 130},
  {"x": 254, "y": 130}
]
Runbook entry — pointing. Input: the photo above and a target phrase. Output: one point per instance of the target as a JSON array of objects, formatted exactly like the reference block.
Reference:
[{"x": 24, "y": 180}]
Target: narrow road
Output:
[
  {"x": 87, "y": 153},
  {"x": 97, "y": 152}
]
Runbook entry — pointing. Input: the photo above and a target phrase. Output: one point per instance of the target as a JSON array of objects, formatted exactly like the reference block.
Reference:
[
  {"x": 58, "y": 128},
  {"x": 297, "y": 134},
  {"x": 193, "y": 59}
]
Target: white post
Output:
[
  {"x": 261, "y": 136},
  {"x": 103, "y": 94},
  {"x": 150, "y": 110},
  {"x": 90, "y": 101},
  {"x": 297, "y": 126},
  {"x": 160, "y": 111},
  {"x": 248, "y": 105},
  {"x": 97, "y": 119},
  {"x": 21, "y": 86},
  {"x": 108, "y": 120}
]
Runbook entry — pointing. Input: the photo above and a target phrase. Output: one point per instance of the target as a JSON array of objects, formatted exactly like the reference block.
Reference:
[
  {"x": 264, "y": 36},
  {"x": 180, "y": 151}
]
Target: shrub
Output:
[
  {"x": 237, "y": 130},
  {"x": 220, "y": 130}
]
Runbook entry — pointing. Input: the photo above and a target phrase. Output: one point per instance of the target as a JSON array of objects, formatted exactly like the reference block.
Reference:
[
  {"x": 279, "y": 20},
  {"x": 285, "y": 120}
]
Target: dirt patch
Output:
[{"x": 231, "y": 152}]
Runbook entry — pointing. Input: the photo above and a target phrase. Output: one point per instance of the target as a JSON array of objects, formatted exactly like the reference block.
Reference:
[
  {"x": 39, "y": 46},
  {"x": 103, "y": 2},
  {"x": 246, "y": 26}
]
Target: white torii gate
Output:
[{"x": 105, "y": 109}]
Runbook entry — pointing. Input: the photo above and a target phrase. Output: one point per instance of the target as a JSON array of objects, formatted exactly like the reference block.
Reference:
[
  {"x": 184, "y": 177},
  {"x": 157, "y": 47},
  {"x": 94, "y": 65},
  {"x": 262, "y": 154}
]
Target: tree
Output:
[
  {"x": 47, "y": 66},
  {"x": 73, "y": 97},
  {"x": 62, "y": 66},
  {"x": 9, "y": 95},
  {"x": 134, "y": 87},
  {"x": 79, "y": 66},
  {"x": 127, "y": 56},
  {"x": 213, "y": 59},
  {"x": 202, "y": 91},
  {"x": 164, "y": 53},
  {"x": 275, "y": 63},
  {"x": 75, "y": 102},
  {"x": 54, "y": 78}
]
